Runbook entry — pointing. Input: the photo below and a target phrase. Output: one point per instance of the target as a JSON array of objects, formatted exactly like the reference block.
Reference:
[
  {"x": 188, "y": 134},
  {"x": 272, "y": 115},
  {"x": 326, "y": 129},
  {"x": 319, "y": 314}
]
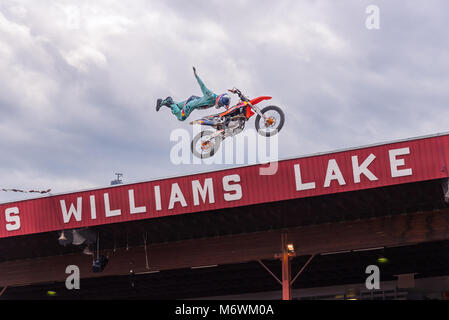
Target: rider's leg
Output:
[
  {"x": 189, "y": 107},
  {"x": 167, "y": 101},
  {"x": 176, "y": 109}
]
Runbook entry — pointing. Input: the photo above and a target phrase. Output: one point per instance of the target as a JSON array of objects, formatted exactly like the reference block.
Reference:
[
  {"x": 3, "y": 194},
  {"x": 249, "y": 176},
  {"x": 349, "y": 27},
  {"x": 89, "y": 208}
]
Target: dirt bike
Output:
[{"x": 269, "y": 121}]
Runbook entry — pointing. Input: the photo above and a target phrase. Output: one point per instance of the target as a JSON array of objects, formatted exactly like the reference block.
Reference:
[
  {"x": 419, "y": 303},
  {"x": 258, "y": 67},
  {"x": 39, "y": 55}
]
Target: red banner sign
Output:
[{"x": 363, "y": 168}]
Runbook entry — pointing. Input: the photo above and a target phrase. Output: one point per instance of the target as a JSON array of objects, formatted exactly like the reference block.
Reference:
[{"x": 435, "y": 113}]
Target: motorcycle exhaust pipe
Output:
[{"x": 204, "y": 122}]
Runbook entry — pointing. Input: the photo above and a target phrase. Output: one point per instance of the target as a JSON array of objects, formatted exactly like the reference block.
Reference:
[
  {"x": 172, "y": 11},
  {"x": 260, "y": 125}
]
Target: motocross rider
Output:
[{"x": 183, "y": 109}]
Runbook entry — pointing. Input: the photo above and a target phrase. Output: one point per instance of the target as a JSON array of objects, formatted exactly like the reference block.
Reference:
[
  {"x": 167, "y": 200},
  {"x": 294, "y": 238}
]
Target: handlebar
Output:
[{"x": 239, "y": 93}]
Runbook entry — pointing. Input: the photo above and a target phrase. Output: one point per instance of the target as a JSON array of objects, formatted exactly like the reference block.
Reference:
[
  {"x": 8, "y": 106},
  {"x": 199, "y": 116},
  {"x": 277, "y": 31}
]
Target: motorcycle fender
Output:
[{"x": 259, "y": 99}]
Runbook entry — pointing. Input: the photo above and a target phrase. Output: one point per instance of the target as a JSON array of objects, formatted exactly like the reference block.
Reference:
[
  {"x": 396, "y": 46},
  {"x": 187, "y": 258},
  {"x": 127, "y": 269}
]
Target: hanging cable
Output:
[
  {"x": 146, "y": 254},
  {"x": 24, "y": 191}
]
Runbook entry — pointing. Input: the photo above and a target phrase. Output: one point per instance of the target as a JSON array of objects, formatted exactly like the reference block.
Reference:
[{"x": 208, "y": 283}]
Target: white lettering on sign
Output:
[
  {"x": 395, "y": 163},
  {"x": 236, "y": 188},
  {"x": 93, "y": 208},
  {"x": 157, "y": 197},
  {"x": 76, "y": 212},
  {"x": 300, "y": 186},
  {"x": 176, "y": 196},
  {"x": 207, "y": 190},
  {"x": 203, "y": 191},
  {"x": 358, "y": 170},
  {"x": 132, "y": 204},
  {"x": 333, "y": 173},
  {"x": 107, "y": 208},
  {"x": 12, "y": 219}
]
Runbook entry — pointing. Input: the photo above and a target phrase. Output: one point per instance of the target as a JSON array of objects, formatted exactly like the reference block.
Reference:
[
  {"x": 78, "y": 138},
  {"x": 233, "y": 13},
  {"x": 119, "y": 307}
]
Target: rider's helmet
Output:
[{"x": 223, "y": 100}]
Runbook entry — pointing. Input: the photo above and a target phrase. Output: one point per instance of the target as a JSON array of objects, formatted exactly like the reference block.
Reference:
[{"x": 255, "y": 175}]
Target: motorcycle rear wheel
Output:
[
  {"x": 207, "y": 150},
  {"x": 276, "y": 115}
]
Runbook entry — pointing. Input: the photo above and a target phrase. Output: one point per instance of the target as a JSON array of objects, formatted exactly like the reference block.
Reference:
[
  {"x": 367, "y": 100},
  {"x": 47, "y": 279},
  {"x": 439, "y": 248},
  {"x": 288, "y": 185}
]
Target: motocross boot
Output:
[
  {"x": 158, "y": 104},
  {"x": 166, "y": 102}
]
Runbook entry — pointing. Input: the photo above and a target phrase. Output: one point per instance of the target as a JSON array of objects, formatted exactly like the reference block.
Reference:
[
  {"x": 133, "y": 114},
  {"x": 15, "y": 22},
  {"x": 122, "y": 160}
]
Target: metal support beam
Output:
[
  {"x": 286, "y": 270},
  {"x": 269, "y": 271},
  {"x": 145, "y": 238},
  {"x": 302, "y": 269}
]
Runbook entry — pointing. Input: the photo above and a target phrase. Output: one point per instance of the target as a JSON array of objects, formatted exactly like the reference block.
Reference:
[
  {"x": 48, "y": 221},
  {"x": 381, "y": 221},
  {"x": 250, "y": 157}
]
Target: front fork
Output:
[
  {"x": 211, "y": 137},
  {"x": 257, "y": 110}
]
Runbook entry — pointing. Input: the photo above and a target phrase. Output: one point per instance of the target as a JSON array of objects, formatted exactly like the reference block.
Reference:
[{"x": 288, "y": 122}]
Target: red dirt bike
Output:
[{"x": 269, "y": 121}]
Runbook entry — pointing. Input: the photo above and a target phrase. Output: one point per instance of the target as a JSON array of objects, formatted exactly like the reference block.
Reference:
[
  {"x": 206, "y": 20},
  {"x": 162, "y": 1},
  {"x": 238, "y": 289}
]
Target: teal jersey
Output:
[{"x": 206, "y": 101}]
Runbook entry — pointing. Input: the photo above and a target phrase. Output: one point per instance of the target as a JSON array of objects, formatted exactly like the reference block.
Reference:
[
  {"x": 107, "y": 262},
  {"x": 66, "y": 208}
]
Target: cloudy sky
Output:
[{"x": 79, "y": 79}]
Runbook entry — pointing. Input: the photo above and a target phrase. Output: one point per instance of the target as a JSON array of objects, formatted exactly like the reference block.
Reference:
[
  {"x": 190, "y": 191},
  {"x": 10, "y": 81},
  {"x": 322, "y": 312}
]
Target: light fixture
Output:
[
  {"x": 88, "y": 251},
  {"x": 352, "y": 294},
  {"x": 62, "y": 236},
  {"x": 290, "y": 249},
  {"x": 51, "y": 293},
  {"x": 78, "y": 239},
  {"x": 382, "y": 260}
]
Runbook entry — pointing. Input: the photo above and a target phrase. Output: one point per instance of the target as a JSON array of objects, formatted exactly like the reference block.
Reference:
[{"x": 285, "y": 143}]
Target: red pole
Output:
[{"x": 286, "y": 270}]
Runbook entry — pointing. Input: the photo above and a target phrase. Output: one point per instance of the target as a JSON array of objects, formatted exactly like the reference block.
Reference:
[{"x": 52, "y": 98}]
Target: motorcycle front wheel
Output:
[
  {"x": 203, "y": 146},
  {"x": 273, "y": 122}
]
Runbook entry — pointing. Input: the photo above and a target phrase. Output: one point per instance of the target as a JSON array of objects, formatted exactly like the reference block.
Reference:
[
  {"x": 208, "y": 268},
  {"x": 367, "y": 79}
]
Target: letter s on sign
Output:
[
  {"x": 235, "y": 188},
  {"x": 12, "y": 219}
]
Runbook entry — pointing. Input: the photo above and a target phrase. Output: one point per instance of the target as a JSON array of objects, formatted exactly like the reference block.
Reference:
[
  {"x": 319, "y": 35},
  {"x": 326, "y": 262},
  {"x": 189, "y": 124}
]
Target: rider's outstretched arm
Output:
[{"x": 204, "y": 89}]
